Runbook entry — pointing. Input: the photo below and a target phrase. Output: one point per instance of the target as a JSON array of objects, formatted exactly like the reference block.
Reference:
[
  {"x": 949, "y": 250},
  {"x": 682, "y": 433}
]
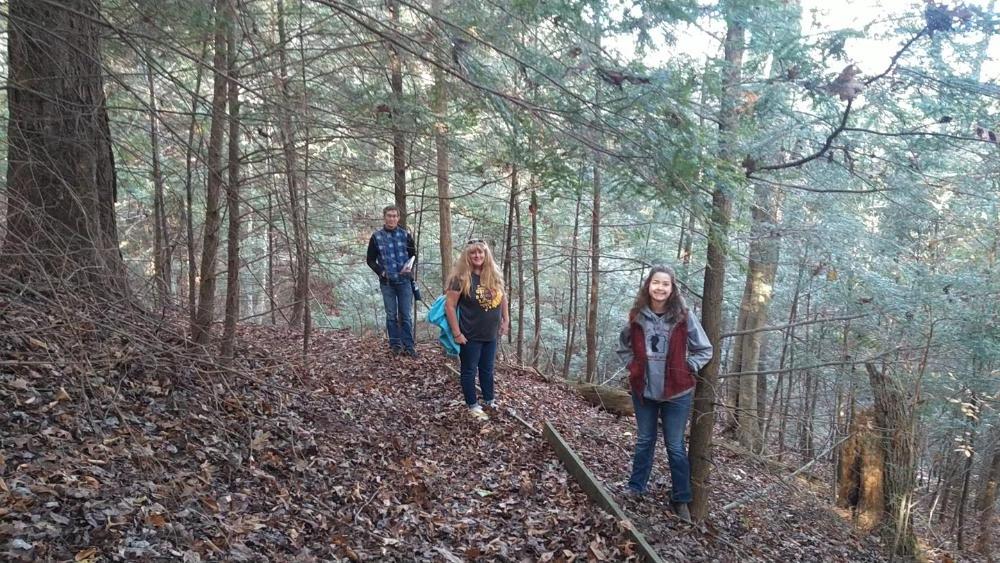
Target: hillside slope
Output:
[{"x": 120, "y": 443}]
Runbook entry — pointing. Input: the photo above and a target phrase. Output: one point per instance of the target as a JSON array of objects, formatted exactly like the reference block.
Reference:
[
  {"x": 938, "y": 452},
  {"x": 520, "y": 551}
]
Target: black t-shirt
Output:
[{"x": 480, "y": 314}]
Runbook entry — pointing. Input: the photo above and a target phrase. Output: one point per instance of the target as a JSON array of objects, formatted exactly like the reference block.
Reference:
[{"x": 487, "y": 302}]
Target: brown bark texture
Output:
[
  {"x": 233, "y": 263},
  {"x": 894, "y": 417},
  {"x": 861, "y": 486},
  {"x": 202, "y": 327},
  {"x": 61, "y": 183},
  {"x": 987, "y": 499},
  {"x": 441, "y": 152},
  {"x": 703, "y": 417},
  {"x": 398, "y": 138},
  {"x": 161, "y": 235}
]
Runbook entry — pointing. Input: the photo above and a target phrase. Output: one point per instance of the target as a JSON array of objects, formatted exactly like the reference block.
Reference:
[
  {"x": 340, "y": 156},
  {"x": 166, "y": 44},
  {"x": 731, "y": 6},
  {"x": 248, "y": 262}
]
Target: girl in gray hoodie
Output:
[{"x": 664, "y": 346}]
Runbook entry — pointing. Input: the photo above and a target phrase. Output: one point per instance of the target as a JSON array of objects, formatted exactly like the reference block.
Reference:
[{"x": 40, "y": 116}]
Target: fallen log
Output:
[
  {"x": 612, "y": 399},
  {"x": 590, "y": 485}
]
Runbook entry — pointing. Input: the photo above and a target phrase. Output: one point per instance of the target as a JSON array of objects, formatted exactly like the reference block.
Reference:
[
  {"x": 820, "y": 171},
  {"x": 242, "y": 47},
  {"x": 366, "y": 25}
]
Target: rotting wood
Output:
[
  {"x": 612, "y": 399},
  {"x": 590, "y": 485}
]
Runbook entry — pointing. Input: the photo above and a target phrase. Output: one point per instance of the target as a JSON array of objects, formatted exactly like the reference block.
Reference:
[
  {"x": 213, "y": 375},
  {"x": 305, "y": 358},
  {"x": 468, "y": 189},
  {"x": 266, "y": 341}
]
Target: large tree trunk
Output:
[
  {"x": 715, "y": 275},
  {"x": 161, "y": 235},
  {"x": 61, "y": 182},
  {"x": 201, "y": 330},
  {"x": 233, "y": 265},
  {"x": 763, "y": 265}
]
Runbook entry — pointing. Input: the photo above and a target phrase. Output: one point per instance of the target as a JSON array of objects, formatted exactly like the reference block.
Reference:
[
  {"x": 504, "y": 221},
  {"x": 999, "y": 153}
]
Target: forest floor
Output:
[{"x": 119, "y": 443}]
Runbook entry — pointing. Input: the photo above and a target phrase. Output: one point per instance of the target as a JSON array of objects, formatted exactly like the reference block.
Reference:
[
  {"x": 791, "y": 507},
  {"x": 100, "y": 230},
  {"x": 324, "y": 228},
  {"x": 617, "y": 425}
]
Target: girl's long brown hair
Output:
[
  {"x": 490, "y": 278},
  {"x": 676, "y": 307}
]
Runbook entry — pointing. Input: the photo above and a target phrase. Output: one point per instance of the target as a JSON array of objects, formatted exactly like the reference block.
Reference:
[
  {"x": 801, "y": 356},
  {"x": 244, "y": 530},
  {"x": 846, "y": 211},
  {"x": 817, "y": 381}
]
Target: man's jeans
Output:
[
  {"x": 477, "y": 355},
  {"x": 397, "y": 296},
  {"x": 673, "y": 415}
]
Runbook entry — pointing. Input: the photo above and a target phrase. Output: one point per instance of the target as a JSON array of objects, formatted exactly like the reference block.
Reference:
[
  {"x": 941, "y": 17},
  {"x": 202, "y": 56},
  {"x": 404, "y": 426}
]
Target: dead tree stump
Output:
[
  {"x": 861, "y": 486},
  {"x": 894, "y": 419}
]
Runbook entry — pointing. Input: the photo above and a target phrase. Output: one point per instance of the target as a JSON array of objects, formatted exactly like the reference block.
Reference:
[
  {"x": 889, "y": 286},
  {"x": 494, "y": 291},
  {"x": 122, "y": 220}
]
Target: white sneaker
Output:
[
  {"x": 492, "y": 404},
  {"x": 477, "y": 412}
]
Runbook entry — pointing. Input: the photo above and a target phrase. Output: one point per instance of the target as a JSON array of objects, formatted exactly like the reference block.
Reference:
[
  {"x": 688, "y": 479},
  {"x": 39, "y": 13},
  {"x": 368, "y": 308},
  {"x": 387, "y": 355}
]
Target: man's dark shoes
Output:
[
  {"x": 395, "y": 350},
  {"x": 410, "y": 352},
  {"x": 681, "y": 510}
]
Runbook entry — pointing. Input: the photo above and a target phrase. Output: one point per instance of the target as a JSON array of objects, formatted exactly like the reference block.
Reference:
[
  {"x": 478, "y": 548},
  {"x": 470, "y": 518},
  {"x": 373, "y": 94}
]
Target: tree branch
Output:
[
  {"x": 847, "y": 111},
  {"x": 790, "y": 325}
]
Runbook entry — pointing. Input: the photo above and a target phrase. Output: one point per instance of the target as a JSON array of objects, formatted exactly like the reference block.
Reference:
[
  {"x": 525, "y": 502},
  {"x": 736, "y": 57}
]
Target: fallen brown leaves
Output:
[{"x": 122, "y": 443}]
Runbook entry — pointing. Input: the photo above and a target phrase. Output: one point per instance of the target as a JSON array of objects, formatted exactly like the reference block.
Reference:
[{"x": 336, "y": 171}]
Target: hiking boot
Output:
[
  {"x": 477, "y": 412},
  {"x": 411, "y": 352},
  {"x": 681, "y": 510},
  {"x": 395, "y": 350}
]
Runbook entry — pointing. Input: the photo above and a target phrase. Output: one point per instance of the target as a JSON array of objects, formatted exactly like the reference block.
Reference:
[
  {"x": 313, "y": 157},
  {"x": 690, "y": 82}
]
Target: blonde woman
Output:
[{"x": 475, "y": 290}]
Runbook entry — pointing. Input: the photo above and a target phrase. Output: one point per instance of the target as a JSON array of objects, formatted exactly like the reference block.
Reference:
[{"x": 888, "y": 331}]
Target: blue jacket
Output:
[{"x": 436, "y": 316}]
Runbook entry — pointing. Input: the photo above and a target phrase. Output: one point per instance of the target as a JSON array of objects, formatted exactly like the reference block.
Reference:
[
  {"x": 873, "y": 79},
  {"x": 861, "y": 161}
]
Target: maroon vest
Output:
[{"x": 678, "y": 377}]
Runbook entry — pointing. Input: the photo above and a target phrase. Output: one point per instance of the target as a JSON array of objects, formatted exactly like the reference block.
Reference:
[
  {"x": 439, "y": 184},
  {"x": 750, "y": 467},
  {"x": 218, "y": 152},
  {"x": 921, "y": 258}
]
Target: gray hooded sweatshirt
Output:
[{"x": 657, "y": 330}]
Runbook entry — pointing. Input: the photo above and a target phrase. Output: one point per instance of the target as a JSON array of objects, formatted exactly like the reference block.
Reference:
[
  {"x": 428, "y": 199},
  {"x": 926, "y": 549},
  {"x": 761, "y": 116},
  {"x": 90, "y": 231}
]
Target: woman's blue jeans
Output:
[
  {"x": 673, "y": 415},
  {"x": 477, "y": 355}
]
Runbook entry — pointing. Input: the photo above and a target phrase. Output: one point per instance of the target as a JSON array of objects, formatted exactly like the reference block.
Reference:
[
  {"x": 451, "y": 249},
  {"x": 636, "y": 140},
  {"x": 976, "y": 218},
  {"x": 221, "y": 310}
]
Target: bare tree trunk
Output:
[
  {"x": 233, "y": 263},
  {"x": 537, "y": 333},
  {"x": 291, "y": 175},
  {"x": 951, "y": 473},
  {"x": 987, "y": 499},
  {"x": 894, "y": 416},
  {"x": 189, "y": 152},
  {"x": 731, "y": 386},
  {"x": 520, "y": 283},
  {"x": 572, "y": 305},
  {"x": 270, "y": 258},
  {"x": 862, "y": 472},
  {"x": 441, "y": 147},
  {"x": 785, "y": 353},
  {"x": 763, "y": 265},
  {"x": 508, "y": 246},
  {"x": 970, "y": 454},
  {"x": 398, "y": 139},
  {"x": 595, "y": 269},
  {"x": 202, "y": 328},
  {"x": 161, "y": 235},
  {"x": 306, "y": 245},
  {"x": 61, "y": 184},
  {"x": 703, "y": 420},
  {"x": 761, "y": 392}
]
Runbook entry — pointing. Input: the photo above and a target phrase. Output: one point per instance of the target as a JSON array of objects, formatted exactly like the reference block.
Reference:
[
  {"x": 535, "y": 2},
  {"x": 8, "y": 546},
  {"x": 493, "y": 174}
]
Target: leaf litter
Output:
[{"x": 120, "y": 441}]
